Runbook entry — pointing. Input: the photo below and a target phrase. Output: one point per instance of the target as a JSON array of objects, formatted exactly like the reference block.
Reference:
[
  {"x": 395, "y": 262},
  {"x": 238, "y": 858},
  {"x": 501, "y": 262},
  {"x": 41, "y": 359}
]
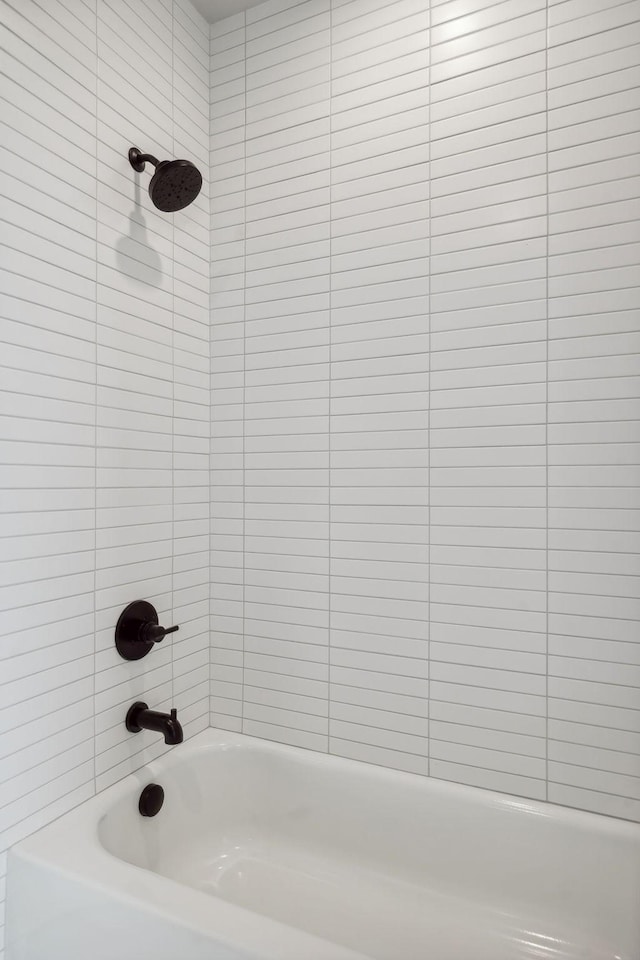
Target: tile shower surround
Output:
[
  {"x": 425, "y": 385},
  {"x": 424, "y": 393},
  {"x": 104, "y": 393}
]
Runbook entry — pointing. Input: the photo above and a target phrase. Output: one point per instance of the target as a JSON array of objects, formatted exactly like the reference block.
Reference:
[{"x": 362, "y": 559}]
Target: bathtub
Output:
[{"x": 271, "y": 852}]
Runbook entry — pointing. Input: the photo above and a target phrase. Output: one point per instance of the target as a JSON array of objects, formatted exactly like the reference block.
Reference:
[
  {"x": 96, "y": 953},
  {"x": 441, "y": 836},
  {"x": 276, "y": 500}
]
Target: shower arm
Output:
[{"x": 138, "y": 160}]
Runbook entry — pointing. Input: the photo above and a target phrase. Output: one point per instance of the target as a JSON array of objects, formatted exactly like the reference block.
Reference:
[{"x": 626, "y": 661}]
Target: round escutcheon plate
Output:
[{"x": 128, "y": 627}]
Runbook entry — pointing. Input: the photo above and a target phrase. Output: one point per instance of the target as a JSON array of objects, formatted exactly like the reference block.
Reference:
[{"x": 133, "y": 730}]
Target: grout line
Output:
[
  {"x": 211, "y": 519},
  {"x": 244, "y": 366},
  {"x": 546, "y": 69},
  {"x": 95, "y": 436},
  {"x": 329, "y": 444},
  {"x": 173, "y": 364},
  {"x": 429, "y": 345}
]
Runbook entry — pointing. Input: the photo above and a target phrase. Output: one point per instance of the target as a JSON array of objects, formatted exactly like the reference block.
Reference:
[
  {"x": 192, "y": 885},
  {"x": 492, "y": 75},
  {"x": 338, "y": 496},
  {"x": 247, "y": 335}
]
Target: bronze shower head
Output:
[{"x": 174, "y": 185}]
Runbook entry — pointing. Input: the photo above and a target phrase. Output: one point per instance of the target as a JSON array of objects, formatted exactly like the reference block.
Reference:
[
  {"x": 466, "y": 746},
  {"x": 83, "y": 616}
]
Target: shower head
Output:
[{"x": 174, "y": 185}]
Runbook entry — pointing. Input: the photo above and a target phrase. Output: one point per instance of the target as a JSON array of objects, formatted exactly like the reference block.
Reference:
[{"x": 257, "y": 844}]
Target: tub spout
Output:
[{"x": 139, "y": 717}]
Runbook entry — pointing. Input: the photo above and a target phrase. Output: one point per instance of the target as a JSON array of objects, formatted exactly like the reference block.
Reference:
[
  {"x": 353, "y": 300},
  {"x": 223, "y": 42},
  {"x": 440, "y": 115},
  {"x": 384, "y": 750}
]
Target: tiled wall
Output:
[
  {"x": 426, "y": 388},
  {"x": 104, "y": 400},
  {"x": 593, "y": 413}
]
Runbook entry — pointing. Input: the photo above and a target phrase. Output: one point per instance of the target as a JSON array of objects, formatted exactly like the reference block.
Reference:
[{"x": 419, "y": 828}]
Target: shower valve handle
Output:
[
  {"x": 138, "y": 630},
  {"x": 154, "y": 633}
]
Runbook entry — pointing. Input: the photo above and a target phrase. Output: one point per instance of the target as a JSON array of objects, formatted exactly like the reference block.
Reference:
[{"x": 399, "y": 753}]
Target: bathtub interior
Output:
[{"x": 372, "y": 858}]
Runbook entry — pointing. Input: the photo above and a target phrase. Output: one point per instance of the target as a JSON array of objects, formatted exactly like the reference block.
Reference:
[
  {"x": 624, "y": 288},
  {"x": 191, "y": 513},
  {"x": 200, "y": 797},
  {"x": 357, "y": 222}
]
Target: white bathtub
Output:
[{"x": 264, "y": 851}]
